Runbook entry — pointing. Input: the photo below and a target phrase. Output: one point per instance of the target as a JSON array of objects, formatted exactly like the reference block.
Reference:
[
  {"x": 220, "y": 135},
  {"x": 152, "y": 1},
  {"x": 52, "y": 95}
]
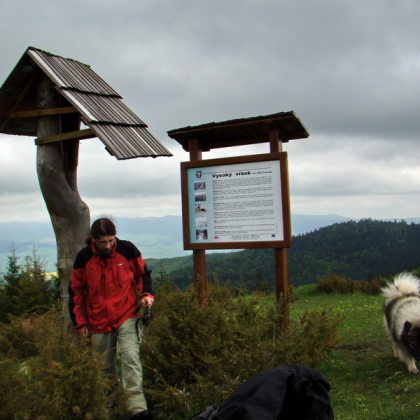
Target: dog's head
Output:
[{"x": 411, "y": 338}]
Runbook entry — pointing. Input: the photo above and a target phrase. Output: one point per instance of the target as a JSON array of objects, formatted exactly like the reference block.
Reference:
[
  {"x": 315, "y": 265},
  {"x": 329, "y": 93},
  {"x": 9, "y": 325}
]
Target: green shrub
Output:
[
  {"x": 196, "y": 356},
  {"x": 47, "y": 375},
  {"x": 336, "y": 284},
  {"x": 193, "y": 356},
  {"x": 372, "y": 287},
  {"x": 17, "y": 339}
]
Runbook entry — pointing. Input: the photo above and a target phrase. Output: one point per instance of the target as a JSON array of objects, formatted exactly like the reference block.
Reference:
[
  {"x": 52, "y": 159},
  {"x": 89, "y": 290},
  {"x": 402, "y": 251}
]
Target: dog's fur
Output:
[{"x": 402, "y": 318}]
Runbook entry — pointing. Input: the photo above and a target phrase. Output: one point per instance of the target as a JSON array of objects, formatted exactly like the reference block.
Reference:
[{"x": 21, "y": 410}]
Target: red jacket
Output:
[{"x": 102, "y": 291}]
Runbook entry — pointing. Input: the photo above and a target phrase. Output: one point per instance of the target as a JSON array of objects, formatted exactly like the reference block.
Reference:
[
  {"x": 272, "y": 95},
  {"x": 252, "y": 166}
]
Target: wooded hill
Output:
[{"x": 355, "y": 250}]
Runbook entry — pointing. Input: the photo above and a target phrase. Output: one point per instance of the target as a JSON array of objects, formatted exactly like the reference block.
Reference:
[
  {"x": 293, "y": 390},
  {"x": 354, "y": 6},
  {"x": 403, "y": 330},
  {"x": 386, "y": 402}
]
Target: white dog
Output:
[{"x": 402, "y": 318}]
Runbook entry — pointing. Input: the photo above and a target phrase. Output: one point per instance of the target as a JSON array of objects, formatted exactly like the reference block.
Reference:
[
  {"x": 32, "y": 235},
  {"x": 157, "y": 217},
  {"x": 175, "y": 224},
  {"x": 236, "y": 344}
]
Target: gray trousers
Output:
[{"x": 128, "y": 338}]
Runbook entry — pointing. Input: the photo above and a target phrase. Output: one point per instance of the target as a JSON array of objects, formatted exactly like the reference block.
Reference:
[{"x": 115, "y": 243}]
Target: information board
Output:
[{"x": 239, "y": 202}]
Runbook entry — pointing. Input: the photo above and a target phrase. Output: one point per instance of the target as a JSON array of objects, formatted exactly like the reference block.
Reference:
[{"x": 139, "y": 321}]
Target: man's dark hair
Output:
[{"x": 101, "y": 227}]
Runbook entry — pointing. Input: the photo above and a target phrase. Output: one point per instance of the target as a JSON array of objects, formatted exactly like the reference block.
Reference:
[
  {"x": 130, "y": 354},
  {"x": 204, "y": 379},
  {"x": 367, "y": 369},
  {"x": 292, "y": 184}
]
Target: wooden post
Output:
[
  {"x": 280, "y": 254},
  {"x": 199, "y": 255},
  {"x": 200, "y": 279},
  {"x": 57, "y": 175},
  {"x": 280, "y": 272}
]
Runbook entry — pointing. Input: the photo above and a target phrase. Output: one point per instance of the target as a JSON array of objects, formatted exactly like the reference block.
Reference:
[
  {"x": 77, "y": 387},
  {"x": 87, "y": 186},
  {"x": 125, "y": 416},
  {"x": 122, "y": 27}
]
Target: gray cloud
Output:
[{"x": 348, "y": 69}]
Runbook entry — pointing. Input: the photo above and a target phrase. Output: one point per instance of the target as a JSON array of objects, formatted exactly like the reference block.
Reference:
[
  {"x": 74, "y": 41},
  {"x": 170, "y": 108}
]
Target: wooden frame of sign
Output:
[{"x": 236, "y": 202}]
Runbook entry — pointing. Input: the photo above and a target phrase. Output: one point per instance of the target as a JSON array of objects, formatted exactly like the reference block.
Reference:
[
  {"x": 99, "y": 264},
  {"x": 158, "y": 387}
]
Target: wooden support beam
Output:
[
  {"x": 276, "y": 145},
  {"x": 41, "y": 112},
  {"x": 280, "y": 254},
  {"x": 200, "y": 276},
  {"x": 281, "y": 276},
  {"x": 196, "y": 152},
  {"x": 19, "y": 100},
  {"x": 281, "y": 272},
  {"x": 79, "y": 134},
  {"x": 199, "y": 255}
]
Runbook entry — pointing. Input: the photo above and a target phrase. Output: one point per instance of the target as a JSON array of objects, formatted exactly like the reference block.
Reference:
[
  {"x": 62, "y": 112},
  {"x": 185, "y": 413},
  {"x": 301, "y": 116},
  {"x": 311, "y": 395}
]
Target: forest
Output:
[{"x": 358, "y": 250}]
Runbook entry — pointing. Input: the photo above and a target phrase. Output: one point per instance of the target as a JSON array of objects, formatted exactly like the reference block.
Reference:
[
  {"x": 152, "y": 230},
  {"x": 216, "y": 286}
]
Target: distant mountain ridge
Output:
[
  {"x": 156, "y": 237},
  {"x": 357, "y": 250}
]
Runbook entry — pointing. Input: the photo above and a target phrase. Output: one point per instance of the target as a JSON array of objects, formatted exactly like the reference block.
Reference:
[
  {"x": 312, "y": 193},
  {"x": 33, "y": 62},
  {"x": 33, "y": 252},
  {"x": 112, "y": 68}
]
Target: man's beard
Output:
[{"x": 106, "y": 253}]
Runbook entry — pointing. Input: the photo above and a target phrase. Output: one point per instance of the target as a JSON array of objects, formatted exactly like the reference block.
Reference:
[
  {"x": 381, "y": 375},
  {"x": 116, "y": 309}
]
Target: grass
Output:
[{"x": 367, "y": 381}]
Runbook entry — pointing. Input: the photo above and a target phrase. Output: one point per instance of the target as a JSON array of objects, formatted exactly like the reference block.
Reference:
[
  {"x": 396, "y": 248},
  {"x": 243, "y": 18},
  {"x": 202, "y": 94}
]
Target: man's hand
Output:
[
  {"x": 84, "y": 332},
  {"x": 147, "y": 301}
]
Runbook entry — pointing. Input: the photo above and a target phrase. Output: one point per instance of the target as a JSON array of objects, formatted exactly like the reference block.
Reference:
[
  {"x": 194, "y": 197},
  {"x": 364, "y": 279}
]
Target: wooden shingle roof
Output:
[
  {"x": 101, "y": 108},
  {"x": 241, "y": 131}
]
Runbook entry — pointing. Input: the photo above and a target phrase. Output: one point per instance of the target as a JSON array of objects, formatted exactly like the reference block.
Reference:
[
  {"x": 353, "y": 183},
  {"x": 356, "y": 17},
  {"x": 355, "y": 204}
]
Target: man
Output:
[{"x": 104, "y": 303}]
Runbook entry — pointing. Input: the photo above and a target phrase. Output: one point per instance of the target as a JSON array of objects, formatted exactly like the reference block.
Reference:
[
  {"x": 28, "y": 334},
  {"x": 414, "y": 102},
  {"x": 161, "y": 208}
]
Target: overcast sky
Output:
[{"x": 348, "y": 69}]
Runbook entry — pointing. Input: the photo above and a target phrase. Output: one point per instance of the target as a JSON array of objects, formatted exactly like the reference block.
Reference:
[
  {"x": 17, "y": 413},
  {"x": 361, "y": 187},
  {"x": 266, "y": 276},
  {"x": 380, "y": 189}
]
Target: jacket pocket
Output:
[{"x": 124, "y": 275}]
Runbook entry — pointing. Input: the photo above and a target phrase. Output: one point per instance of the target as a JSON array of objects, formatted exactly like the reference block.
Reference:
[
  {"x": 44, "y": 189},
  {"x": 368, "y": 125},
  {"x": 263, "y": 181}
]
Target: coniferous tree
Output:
[
  {"x": 24, "y": 288},
  {"x": 10, "y": 284},
  {"x": 3, "y": 301},
  {"x": 35, "y": 292},
  {"x": 260, "y": 284}
]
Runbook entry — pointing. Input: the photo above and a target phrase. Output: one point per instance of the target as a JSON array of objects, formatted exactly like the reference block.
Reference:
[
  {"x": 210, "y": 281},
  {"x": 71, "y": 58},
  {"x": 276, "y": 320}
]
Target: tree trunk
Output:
[{"x": 57, "y": 175}]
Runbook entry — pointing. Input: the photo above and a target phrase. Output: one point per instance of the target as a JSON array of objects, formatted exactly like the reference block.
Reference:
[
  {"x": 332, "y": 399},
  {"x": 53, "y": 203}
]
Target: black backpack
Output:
[{"x": 207, "y": 414}]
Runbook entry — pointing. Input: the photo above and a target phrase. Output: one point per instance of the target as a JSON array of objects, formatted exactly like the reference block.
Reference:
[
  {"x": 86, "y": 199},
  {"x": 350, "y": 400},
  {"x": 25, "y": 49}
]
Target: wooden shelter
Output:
[
  {"x": 275, "y": 129},
  {"x": 82, "y": 92}
]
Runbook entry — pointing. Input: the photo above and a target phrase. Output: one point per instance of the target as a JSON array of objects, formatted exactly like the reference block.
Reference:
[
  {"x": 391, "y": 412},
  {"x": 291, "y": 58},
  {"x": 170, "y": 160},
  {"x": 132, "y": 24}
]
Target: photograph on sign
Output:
[{"x": 234, "y": 203}]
